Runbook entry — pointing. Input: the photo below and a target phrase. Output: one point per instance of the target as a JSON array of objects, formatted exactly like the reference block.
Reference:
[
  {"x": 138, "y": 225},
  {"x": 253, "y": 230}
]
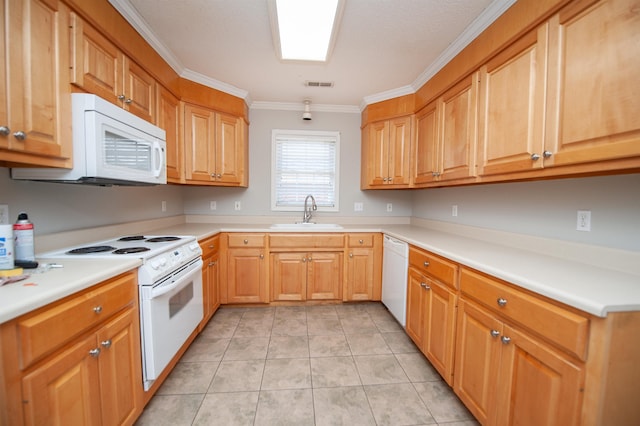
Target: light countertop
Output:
[
  {"x": 590, "y": 287},
  {"x": 41, "y": 289}
]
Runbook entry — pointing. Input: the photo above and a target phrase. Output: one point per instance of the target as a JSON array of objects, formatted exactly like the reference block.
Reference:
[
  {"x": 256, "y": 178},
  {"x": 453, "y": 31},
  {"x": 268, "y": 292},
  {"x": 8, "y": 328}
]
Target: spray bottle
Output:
[{"x": 24, "y": 242}]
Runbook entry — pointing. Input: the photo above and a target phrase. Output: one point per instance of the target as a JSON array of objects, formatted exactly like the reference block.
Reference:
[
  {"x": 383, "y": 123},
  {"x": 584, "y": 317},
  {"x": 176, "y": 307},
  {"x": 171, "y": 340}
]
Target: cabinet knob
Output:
[
  {"x": 213, "y": 175},
  {"x": 501, "y": 301},
  {"x": 20, "y": 135},
  {"x": 97, "y": 309},
  {"x": 361, "y": 241},
  {"x": 121, "y": 97},
  {"x": 212, "y": 263},
  {"x": 426, "y": 263},
  {"x": 425, "y": 286},
  {"x": 4, "y": 130},
  {"x": 385, "y": 179},
  {"x": 435, "y": 174},
  {"x": 310, "y": 259},
  {"x": 535, "y": 157},
  {"x": 351, "y": 254},
  {"x": 262, "y": 256},
  {"x": 106, "y": 343},
  {"x": 128, "y": 101},
  {"x": 304, "y": 259},
  {"x": 246, "y": 241},
  {"x": 212, "y": 246},
  {"x": 219, "y": 176},
  {"x": 94, "y": 352},
  {"x": 390, "y": 180},
  {"x": 505, "y": 340},
  {"x": 547, "y": 154},
  {"x": 495, "y": 333}
]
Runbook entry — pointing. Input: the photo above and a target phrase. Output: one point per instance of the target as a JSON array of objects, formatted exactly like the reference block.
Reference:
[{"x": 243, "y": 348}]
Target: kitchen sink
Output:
[{"x": 306, "y": 226}]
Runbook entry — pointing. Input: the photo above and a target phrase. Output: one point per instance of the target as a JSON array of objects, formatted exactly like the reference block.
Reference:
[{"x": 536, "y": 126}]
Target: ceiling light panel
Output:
[{"x": 306, "y": 28}]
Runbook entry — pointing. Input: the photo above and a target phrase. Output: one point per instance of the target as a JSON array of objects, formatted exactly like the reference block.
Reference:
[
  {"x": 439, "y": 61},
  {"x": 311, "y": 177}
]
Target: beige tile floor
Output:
[{"x": 346, "y": 364}]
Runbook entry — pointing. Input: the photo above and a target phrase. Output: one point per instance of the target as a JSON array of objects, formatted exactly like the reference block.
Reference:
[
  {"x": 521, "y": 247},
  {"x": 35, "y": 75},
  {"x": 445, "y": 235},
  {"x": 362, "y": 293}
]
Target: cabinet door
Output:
[
  {"x": 139, "y": 91},
  {"x": 168, "y": 113},
  {"x": 360, "y": 274},
  {"x": 399, "y": 150},
  {"x": 96, "y": 62},
  {"x": 594, "y": 95},
  {"x": 210, "y": 290},
  {"x": 477, "y": 360},
  {"x": 457, "y": 154},
  {"x": 538, "y": 385},
  {"x": 36, "y": 109},
  {"x": 199, "y": 148},
  {"x": 416, "y": 307},
  {"x": 229, "y": 164},
  {"x": 378, "y": 153},
  {"x": 246, "y": 274},
  {"x": 427, "y": 144},
  {"x": 439, "y": 329},
  {"x": 512, "y": 101},
  {"x": 66, "y": 389},
  {"x": 324, "y": 276},
  {"x": 120, "y": 369},
  {"x": 288, "y": 276}
]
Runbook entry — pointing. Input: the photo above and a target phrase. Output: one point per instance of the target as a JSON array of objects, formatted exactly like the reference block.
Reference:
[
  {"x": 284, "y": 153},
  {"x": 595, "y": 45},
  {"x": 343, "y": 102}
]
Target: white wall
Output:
[
  {"x": 256, "y": 200},
  {"x": 545, "y": 208},
  {"x": 56, "y": 207}
]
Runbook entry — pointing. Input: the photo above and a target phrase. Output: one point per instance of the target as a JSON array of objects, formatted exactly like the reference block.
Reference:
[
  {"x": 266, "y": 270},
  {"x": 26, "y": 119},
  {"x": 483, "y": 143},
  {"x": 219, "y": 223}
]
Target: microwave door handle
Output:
[{"x": 157, "y": 159}]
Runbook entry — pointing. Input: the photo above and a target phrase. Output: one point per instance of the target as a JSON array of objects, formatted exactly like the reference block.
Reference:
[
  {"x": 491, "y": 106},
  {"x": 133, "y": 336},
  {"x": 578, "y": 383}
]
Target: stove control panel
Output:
[{"x": 169, "y": 261}]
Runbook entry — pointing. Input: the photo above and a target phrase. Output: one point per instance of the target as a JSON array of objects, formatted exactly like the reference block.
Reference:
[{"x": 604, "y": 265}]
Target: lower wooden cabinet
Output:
[
  {"x": 306, "y": 276},
  {"x": 90, "y": 374},
  {"x": 210, "y": 278},
  {"x": 506, "y": 376},
  {"x": 431, "y": 311},
  {"x": 363, "y": 279},
  {"x": 245, "y": 274}
]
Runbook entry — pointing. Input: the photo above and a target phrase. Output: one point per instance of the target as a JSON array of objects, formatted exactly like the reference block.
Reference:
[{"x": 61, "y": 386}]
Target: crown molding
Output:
[
  {"x": 486, "y": 18},
  {"x": 389, "y": 94},
  {"x": 133, "y": 17},
  {"x": 292, "y": 106},
  {"x": 214, "y": 84}
]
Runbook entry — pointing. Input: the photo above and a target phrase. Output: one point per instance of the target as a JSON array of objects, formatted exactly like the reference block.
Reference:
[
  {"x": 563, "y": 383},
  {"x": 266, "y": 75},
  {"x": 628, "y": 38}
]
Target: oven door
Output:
[{"x": 170, "y": 311}]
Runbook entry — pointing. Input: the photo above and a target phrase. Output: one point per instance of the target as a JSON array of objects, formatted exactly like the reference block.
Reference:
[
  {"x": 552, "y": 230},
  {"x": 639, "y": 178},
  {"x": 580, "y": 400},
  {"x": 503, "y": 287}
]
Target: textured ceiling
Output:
[{"x": 384, "y": 48}]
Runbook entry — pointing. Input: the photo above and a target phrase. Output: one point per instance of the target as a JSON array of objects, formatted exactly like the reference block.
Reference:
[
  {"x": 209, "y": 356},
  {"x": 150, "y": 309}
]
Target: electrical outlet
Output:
[
  {"x": 164, "y": 206},
  {"x": 4, "y": 214},
  {"x": 389, "y": 207},
  {"x": 212, "y": 205},
  {"x": 358, "y": 207},
  {"x": 584, "y": 221},
  {"x": 454, "y": 210},
  {"x": 238, "y": 205}
]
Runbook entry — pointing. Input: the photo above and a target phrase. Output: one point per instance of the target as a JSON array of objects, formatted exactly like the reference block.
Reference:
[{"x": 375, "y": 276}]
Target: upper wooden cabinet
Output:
[
  {"x": 594, "y": 96},
  {"x": 35, "y": 106},
  {"x": 446, "y": 133},
  {"x": 215, "y": 147},
  {"x": 168, "y": 118},
  {"x": 385, "y": 154},
  {"x": 512, "y": 102},
  {"x": 99, "y": 67}
]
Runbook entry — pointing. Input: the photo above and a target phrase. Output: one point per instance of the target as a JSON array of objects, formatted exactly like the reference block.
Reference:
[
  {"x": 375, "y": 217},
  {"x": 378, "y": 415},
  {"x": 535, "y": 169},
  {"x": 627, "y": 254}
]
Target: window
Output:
[{"x": 303, "y": 163}]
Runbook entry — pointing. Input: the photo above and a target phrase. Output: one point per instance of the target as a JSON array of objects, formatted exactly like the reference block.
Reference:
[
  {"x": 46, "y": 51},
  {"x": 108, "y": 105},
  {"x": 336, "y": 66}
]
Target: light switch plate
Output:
[{"x": 4, "y": 214}]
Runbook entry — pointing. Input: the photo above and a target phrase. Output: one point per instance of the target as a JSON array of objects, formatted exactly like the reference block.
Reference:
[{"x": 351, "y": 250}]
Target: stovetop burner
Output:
[
  {"x": 91, "y": 249},
  {"x": 129, "y": 250},
  {"x": 162, "y": 239},
  {"x": 133, "y": 238}
]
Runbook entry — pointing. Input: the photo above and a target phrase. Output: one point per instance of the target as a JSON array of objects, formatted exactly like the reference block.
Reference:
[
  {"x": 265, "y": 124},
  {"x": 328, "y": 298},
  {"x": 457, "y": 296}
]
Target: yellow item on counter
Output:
[{"x": 10, "y": 272}]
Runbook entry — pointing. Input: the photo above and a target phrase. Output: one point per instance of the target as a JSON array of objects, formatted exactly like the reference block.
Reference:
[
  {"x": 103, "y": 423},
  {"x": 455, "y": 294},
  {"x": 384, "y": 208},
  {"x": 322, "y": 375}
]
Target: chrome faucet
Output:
[{"x": 308, "y": 210}]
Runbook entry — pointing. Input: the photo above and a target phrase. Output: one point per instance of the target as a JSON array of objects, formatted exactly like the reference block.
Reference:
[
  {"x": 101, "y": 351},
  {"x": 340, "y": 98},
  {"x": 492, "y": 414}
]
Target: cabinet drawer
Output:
[
  {"x": 560, "y": 326},
  {"x": 306, "y": 241},
  {"x": 360, "y": 240},
  {"x": 210, "y": 245},
  {"x": 50, "y": 327},
  {"x": 435, "y": 266},
  {"x": 247, "y": 240}
]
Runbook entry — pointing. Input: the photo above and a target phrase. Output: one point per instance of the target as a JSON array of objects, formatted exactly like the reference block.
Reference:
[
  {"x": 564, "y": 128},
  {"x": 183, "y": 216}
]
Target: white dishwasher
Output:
[{"x": 394, "y": 277}]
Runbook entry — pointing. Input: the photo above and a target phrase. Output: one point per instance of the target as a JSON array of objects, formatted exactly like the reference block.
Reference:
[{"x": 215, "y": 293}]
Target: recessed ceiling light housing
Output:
[{"x": 305, "y": 30}]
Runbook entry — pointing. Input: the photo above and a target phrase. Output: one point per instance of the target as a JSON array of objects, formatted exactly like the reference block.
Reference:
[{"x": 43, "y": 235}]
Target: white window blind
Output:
[{"x": 305, "y": 162}]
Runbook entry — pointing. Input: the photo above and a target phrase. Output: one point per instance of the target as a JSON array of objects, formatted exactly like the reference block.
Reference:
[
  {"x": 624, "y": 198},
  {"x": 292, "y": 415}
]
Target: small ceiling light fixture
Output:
[
  {"x": 305, "y": 30},
  {"x": 306, "y": 115}
]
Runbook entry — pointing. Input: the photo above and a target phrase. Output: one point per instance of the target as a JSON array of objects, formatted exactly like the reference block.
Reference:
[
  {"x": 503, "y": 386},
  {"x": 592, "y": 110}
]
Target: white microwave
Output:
[{"x": 111, "y": 146}]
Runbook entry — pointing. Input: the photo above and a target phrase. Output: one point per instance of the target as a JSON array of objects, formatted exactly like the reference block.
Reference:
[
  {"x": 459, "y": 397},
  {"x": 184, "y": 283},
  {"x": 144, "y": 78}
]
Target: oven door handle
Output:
[{"x": 177, "y": 284}]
